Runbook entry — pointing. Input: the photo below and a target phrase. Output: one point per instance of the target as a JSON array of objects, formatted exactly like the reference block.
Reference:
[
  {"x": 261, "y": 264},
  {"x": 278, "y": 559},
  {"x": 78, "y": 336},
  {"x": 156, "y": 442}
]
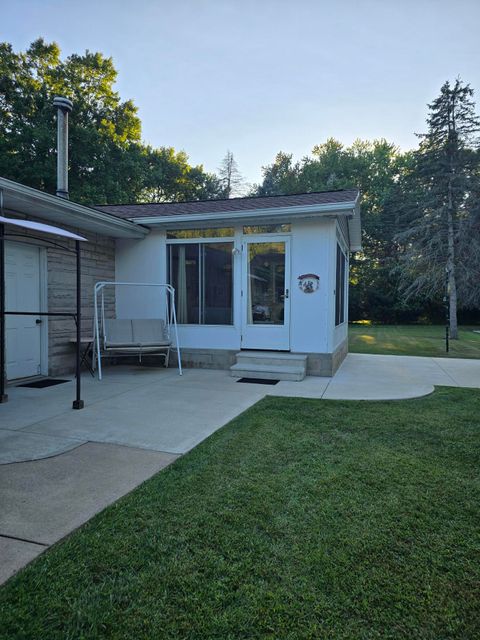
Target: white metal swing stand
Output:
[{"x": 137, "y": 337}]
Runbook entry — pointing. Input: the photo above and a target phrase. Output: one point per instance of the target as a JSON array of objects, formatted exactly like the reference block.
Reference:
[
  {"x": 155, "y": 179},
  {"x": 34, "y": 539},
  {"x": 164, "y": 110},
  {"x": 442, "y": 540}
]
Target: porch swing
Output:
[{"x": 137, "y": 337}]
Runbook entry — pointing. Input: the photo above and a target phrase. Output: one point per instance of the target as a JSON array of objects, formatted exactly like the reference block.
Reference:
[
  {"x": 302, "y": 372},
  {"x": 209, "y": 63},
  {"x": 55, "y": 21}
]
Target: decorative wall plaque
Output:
[{"x": 308, "y": 282}]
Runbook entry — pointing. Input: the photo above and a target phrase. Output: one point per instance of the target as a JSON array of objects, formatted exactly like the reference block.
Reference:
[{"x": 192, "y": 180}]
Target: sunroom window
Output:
[
  {"x": 340, "y": 287},
  {"x": 267, "y": 228},
  {"x": 202, "y": 275},
  {"x": 186, "y": 234}
]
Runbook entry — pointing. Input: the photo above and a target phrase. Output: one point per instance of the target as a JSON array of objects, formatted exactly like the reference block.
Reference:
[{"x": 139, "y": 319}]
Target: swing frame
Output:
[{"x": 99, "y": 320}]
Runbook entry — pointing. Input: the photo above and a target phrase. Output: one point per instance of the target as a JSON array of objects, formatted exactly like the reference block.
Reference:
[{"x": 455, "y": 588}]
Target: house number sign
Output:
[{"x": 308, "y": 282}]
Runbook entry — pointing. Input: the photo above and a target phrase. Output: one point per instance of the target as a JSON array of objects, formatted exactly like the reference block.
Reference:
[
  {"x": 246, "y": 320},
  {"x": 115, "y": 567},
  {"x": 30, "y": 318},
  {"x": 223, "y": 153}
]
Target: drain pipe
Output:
[{"x": 64, "y": 107}]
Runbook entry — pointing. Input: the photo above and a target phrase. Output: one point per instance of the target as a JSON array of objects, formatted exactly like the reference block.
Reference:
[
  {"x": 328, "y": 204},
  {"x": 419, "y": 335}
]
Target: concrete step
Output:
[
  {"x": 272, "y": 358},
  {"x": 268, "y": 371}
]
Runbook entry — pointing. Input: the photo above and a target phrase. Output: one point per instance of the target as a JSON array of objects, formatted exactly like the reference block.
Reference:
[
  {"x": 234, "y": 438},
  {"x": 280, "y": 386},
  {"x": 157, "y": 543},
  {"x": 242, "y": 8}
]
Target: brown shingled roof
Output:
[{"x": 232, "y": 204}]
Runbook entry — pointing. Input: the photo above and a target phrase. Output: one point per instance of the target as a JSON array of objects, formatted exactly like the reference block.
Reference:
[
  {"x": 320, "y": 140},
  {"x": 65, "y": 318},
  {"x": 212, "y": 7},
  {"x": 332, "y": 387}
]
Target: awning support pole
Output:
[
  {"x": 78, "y": 402},
  {"x": 3, "y": 395}
]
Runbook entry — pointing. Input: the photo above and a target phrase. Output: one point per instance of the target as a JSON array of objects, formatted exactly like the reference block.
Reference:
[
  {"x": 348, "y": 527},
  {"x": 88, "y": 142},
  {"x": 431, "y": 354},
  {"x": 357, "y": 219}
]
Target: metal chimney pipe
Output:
[{"x": 64, "y": 106}]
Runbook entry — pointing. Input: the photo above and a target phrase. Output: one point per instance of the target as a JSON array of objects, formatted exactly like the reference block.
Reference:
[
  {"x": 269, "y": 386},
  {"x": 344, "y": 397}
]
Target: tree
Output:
[
  {"x": 441, "y": 243},
  {"x": 280, "y": 178},
  {"x": 231, "y": 180},
  {"x": 169, "y": 177},
  {"x": 108, "y": 161}
]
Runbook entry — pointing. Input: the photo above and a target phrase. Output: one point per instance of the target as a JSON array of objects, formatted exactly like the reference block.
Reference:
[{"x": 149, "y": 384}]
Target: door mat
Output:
[
  {"x": 258, "y": 381},
  {"x": 41, "y": 384}
]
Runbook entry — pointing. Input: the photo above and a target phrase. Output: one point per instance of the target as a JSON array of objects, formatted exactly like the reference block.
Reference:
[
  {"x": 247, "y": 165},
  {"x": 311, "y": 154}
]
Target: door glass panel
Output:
[{"x": 266, "y": 282}]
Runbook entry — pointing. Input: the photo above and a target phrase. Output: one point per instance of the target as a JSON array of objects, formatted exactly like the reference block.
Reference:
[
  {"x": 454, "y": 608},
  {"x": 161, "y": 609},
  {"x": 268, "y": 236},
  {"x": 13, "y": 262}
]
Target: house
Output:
[{"x": 267, "y": 274}]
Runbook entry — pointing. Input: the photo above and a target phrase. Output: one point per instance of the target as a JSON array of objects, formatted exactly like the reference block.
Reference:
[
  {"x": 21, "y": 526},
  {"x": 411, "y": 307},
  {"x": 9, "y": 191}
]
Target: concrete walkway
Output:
[
  {"x": 137, "y": 421},
  {"x": 42, "y": 501}
]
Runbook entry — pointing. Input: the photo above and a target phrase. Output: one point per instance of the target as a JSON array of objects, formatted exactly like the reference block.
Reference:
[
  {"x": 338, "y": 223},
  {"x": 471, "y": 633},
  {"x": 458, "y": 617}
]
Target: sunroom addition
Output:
[{"x": 239, "y": 268}]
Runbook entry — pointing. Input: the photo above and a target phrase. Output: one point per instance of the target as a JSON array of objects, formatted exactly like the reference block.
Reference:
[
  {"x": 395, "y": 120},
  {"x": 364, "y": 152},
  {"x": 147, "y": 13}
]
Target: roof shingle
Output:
[{"x": 233, "y": 204}]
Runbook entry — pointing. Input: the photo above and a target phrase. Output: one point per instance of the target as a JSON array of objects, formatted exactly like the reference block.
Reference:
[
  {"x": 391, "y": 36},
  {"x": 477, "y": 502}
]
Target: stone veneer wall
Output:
[{"x": 98, "y": 263}]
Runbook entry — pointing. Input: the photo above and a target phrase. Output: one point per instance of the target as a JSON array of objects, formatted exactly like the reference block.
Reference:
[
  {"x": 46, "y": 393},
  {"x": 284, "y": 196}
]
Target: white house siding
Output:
[
  {"x": 311, "y": 322},
  {"x": 140, "y": 261}
]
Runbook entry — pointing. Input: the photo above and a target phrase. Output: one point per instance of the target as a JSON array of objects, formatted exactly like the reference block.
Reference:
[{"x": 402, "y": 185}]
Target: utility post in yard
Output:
[{"x": 446, "y": 300}]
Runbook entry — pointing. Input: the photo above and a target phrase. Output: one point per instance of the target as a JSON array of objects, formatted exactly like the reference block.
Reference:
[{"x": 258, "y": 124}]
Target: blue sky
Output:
[{"x": 261, "y": 76}]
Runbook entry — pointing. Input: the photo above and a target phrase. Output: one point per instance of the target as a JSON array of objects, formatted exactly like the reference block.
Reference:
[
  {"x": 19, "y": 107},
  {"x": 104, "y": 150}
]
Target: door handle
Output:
[
  {"x": 38, "y": 321},
  {"x": 286, "y": 294}
]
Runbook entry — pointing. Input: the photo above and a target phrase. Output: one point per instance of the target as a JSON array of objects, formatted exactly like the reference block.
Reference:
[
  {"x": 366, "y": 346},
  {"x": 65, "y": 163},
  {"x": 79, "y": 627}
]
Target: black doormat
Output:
[
  {"x": 258, "y": 381},
  {"x": 41, "y": 384}
]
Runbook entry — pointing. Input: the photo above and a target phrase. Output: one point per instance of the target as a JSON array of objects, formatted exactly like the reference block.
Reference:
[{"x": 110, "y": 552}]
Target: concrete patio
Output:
[{"x": 137, "y": 421}]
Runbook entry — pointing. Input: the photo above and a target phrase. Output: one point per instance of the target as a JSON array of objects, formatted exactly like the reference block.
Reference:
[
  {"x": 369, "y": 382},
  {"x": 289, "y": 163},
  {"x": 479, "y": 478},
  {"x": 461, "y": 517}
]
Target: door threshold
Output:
[{"x": 269, "y": 350}]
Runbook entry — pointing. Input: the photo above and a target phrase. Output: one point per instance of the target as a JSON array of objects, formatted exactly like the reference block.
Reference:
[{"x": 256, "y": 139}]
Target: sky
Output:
[{"x": 262, "y": 76}]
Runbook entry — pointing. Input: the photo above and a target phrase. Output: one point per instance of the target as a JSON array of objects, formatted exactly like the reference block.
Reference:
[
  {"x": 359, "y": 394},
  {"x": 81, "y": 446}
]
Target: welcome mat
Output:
[
  {"x": 258, "y": 381},
  {"x": 41, "y": 384}
]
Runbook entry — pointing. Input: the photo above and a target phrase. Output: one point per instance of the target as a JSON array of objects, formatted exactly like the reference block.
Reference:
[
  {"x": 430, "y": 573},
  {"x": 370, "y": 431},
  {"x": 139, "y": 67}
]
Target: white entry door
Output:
[
  {"x": 23, "y": 333},
  {"x": 265, "y": 293}
]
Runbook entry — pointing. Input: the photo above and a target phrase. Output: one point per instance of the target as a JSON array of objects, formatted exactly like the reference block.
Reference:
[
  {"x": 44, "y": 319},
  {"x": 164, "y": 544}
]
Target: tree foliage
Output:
[{"x": 108, "y": 161}]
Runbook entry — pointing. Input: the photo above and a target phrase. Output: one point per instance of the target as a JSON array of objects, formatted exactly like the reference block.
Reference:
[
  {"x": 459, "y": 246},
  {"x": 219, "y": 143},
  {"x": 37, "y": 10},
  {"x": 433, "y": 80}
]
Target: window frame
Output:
[
  {"x": 199, "y": 241},
  {"x": 199, "y": 238},
  {"x": 261, "y": 229}
]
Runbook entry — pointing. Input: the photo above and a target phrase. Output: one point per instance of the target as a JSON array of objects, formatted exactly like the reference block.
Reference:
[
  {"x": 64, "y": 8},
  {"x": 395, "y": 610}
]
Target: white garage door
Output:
[{"x": 23, "y": 333}]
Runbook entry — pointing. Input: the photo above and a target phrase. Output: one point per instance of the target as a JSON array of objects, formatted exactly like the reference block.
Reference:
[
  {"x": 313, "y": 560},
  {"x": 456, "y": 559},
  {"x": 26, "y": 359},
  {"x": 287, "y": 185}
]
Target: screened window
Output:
[
  {"x": 184, "y": 234},
  {"x": 267, "y": 228},
  {"x": 340, "y": 287},
  {"x": 202, "y": 275}
]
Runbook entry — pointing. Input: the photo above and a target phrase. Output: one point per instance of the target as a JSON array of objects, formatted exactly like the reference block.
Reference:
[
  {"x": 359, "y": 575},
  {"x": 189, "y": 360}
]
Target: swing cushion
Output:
[
  {"x": 118, "y": 333},
  {"x": 150, "y": 333},
  {"x": 136, "y": 334}
]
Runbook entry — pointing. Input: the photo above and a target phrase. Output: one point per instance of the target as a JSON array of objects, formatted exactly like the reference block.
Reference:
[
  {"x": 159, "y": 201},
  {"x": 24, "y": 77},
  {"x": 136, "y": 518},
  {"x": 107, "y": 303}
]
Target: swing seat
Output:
[{"x": 136, "y": 336}]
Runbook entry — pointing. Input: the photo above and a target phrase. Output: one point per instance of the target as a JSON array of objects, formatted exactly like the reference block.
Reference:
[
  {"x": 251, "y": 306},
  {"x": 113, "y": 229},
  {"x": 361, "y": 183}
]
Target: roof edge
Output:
[
  {"x": 336, "y": 208},
  {"x": 276, "y": 195},
  {"x": 78, "y": 211}
]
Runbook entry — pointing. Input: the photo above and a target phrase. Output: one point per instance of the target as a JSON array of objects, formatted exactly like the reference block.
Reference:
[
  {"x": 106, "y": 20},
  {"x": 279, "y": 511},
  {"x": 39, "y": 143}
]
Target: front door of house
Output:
[
  {"x": 265, "y": 293},
  {"x": 23, "y": 333}
]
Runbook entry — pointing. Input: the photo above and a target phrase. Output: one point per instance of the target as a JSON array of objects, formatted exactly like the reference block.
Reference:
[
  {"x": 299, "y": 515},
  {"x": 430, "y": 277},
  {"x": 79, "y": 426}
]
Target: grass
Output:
[
  {"x": 299, "y": 519},
  {"x": 412, "y": 340}
]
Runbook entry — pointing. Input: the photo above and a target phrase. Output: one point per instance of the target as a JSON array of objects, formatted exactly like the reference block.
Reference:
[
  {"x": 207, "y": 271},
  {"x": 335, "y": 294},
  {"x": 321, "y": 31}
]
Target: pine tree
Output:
[{"x": 441, "y": 257}]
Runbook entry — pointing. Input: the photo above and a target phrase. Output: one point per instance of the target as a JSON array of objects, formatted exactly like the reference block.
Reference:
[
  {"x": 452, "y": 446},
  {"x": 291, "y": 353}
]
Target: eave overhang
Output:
[{"x": 25, "y": 201}]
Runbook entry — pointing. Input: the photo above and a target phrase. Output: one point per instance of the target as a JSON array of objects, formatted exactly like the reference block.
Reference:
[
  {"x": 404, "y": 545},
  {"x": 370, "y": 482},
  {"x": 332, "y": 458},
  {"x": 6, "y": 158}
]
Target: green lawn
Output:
[
  {"x": 412, "y": 340},
  {"x": 299, "y": 519}
]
